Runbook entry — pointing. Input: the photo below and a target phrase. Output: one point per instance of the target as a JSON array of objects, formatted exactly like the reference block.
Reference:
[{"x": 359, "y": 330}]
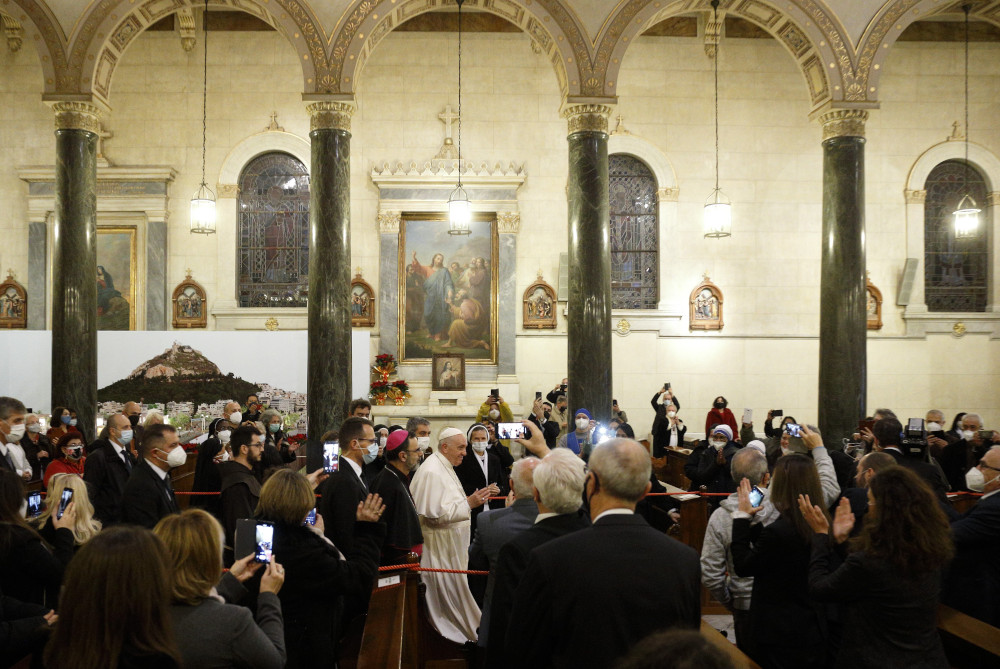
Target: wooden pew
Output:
[
  {"x": 736, "y": 656},
  {"x": 968, "y": 642}
]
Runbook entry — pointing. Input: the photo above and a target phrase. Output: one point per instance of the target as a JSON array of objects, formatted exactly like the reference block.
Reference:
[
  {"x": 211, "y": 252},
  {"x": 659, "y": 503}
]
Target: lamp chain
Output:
[
  {"x": 204, "y": 97},
  {"x": 459, "y": 2},
  {"x": 718, "y": 45},
  {"x": 965, "y": 172}
]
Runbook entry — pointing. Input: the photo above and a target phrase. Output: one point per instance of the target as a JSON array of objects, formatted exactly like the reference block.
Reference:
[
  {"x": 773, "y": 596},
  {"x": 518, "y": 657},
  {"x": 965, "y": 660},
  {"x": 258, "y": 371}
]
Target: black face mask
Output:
[
  {"x": 133, "y": 420},
  {"x": 547, "y": 414},
  {"x": 720, "y": 405}
]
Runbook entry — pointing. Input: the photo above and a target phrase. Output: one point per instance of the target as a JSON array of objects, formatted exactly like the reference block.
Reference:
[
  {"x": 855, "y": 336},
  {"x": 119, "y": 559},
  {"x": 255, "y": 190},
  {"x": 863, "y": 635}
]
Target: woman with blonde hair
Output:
[
  {"x": 84, "y": 526},
  {"x": 318, "y": 575},
  {"x": 212, "y": 633}
]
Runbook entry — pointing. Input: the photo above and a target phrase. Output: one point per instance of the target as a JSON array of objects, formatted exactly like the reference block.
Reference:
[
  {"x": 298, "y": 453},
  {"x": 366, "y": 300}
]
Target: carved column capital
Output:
[
  {"x": 77, "y": 116},
  {"x": 915, "y": 196},
  {"x": 330, "y": 115},
  {"x": 508, "y": 222},
  {"x": 843, "y": 123},
  {"x": 586, "y": 117},
  {"x": 388, "y": 222}
]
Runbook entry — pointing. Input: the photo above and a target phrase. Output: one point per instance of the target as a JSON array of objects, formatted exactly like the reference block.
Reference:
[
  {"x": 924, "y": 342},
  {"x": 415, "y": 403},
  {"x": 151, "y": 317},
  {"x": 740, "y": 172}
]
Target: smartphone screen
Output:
[
  {"x": 778, "y": 413},
  {"x": 67, "y": 497},
  {"x": 34, "y": 504},
  {"x": 331, "y": 456},
  {"x": 793, "y": 430},
  {"x": 538, "y": 394},
  {"x": 264, "y": 542},
  {"x": 311, "y": 517},
  {"x": 667, "y": 385},
  {"x": 495, "y": 392},
  {"x": 747, "y": 416},
  {"x": 511, "y": 431},
  {"x": 756, "y": 496}
]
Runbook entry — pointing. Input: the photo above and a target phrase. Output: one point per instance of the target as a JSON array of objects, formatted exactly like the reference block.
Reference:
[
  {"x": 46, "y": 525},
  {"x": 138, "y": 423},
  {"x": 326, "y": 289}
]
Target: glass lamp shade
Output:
[
  {"x": 203, "y": 211},
  {"x": 966, "y": 219},
  {"x": 718, "y": 218},
  {"x": 459, "y": 212}
]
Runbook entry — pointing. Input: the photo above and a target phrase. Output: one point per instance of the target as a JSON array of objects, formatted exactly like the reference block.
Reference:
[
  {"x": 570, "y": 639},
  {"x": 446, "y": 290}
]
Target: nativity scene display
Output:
[{"x": 448, "y": 290}]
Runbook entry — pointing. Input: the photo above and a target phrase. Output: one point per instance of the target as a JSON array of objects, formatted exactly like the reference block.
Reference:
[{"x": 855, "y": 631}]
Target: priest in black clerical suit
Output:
[
  {"x": 481, "y": 467},
  {"x": 392, "y": 483}
]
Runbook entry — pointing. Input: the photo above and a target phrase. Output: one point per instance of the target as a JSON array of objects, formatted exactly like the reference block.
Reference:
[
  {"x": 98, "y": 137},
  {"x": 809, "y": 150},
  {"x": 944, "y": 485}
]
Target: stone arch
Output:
[
  {"x": 979, "y": 156},
  {"x": 550, "y": 27},
  {"x": 806, "y": 32},
  {"x": 42, "y": 30},
  {"x": 886, "y": 27},
  {"x": 108, "y": 29}
]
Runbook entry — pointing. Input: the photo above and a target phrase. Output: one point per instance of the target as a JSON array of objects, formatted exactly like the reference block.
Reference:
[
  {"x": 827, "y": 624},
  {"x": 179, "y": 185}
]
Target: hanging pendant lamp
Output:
[
  {"x": 967, "y": 213},
  {"x": 459, "y": 207},
  {"x": 718, "y": 215},
  {"x": 203, "y": 202}
]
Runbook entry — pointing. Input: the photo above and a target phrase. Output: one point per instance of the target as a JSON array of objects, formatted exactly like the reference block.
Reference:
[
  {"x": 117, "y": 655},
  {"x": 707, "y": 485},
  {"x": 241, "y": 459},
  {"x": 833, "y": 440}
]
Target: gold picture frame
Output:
[
  {"x": 362, "y": 303},
  {"x": 117, "y": 257},
  {"x": 706, "y": 306},
  {"x": 873, "y": 305},
  {"x": 13, "y": 304},
  {"x": 539, "y": 306},
  {"x": 189, "y": 304},
  {"x": 455, "y": 326},
  {"x": 448, "y": 371}
]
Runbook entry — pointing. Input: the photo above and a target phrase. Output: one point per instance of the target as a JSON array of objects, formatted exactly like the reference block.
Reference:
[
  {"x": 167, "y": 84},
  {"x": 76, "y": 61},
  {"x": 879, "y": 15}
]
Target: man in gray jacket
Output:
[{"x": 718, "y": 574}]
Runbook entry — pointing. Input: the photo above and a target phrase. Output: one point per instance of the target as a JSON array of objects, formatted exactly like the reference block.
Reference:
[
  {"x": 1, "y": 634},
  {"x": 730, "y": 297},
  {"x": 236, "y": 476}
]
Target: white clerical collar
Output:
[
  {"x": 355, "y": 466},
  {"x": 542, "y": 516},
  {"x": 989, "y": 494},
  {"x": 615, "y": 512},
  {"x": 155, "y": 468}
]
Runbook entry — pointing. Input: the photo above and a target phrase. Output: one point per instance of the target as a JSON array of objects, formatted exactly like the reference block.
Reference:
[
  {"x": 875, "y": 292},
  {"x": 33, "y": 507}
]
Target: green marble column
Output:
[
  {"x": 74, "y": 263},
  {"x": 329, "y": 356},
  {"x": 589, "y": 307},
  {"x": 842, "y": 325}
]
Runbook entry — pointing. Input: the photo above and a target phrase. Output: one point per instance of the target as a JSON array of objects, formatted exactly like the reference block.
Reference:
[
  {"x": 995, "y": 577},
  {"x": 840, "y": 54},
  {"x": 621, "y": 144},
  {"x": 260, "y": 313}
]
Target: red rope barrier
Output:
[
  {"x": 652, "y": 494},
  {"x": 417, "y": 567}
]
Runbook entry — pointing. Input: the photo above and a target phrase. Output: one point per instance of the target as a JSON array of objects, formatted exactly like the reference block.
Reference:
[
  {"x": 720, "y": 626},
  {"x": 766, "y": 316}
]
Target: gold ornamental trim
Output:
[
  {"x": 330, "y": 115},
  {"x": 508, "y": 222},
  {"x": 844, "y": 123},
  {"x": 77, "y": 116},
  {"x": 587, "y": 117},
  {"x": 915, "y": 196},
  {"x": 388, "y": 222}
]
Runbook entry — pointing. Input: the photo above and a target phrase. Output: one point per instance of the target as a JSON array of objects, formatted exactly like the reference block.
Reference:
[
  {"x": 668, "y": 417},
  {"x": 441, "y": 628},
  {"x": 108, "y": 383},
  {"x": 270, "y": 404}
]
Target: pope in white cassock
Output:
[{"x": 445, "y": 514}]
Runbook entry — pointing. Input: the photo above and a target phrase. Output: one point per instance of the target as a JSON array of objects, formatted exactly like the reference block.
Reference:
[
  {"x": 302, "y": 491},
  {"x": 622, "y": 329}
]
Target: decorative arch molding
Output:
[
  {"x": 919, "y": 321},
  {"x": 42, "y": 29},
  {"x": 666, "y": 205},
  {"x": 550, "y": 27},
  {"x": 111, "y": 25},
  {"x": 253, "y": 146},
  {"x": 810, "y": 46}
]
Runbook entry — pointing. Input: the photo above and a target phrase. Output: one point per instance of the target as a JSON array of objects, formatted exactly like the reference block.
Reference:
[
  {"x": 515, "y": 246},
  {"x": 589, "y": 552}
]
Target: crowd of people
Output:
[{"x": 826, "y": 557}]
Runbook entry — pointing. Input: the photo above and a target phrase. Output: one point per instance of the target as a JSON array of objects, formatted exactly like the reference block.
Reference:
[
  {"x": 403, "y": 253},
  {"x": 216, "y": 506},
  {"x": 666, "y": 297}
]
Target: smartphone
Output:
[
  {"x": 865, "y": 424},
  {"x": 563, "y": 387},
  {"x": 311, "y": 517},
  {"x": 777, "y": 413},
  {"x": 511, "y": 431},
  {"x": 331, "y": 457},
  {"x": 986, "y": 434},
  {"x": 495, "y": 392},
  {"x": 756, "y": 496},
  {"x": 667, "y": 385},
  {"x": 538, "y": 394},
  {"x": 263, "y": 542},
  {"x": 615, "y": 402},
  {"x": 747, "y": 416},
  {"x": 34, "y": 504},
  {"x": 67, "y": 497},
  {"x": 793, "y": 430}
]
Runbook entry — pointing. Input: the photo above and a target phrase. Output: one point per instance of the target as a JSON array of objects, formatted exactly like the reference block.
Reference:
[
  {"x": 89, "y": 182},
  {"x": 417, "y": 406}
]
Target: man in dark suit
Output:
[
  {"x": 481, "y": 468},
  {"x": 888, "y": 437},
  {"x": 107, "y": 470},
  {"x": 495, "y": 528},
  {"x": 973, "y": 582},
  {"x": 639, "y": 580},
  {"x": 148, "y": 495},
  {"x": 541, "y": 416},
  {"x": 12, "y": 428},
  {"x": 558, "y": 493}
]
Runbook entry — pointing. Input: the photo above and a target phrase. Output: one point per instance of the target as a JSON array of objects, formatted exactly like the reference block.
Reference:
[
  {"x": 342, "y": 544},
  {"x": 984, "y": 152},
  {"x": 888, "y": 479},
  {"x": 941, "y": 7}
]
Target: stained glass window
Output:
[
  {"x": 634, "y": 234},
  {"x": 955, "y": 270},
  {"x": 273, "y": 232}
]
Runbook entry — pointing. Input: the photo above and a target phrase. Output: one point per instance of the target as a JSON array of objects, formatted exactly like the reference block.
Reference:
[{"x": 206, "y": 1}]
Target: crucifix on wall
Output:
[{"x": 447, "y": 152}]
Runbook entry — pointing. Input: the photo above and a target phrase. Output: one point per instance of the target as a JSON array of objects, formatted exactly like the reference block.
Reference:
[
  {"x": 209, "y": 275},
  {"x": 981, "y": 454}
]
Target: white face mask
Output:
[
  {"x": 176, "y": 457},
  {"x": 582, "y": 423},
  {"x": 494, "y": 414},
  {"x": 225, "y": 456},
  {"x": 236, "y": 418},
  {"x": 423, "y": 443},
  {"x": 479, "y": 447},
  {"x": 671, "y": 414},
  {"x": 35, "y": 428},
  {"x": 15, "y": 434},
  {"x": 382, "y": 441},
  {"x": 968, "y": 435},
  {"x": 933, "y": 427},
  {"x": 719, "y": 444},
  {"x": 72, "y": 422},
  {"x": 224, "y": 436},
  {"x": 785, "y": 451}
]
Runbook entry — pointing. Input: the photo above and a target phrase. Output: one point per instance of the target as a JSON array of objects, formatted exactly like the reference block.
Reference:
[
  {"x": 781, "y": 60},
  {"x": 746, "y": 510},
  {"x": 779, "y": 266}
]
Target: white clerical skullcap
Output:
[
  {"x": 448, "y": 432},
  {"x": 758, "y": 445}
]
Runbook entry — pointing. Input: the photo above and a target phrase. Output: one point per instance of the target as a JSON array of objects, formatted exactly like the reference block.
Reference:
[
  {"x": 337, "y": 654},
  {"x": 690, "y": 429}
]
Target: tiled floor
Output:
[{"x": 722, "y": 623}]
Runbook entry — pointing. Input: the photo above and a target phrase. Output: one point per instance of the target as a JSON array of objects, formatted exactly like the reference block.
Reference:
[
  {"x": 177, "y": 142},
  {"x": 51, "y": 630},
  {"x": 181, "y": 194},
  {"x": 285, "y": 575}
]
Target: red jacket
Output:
[{"x": 724, "y": 417}]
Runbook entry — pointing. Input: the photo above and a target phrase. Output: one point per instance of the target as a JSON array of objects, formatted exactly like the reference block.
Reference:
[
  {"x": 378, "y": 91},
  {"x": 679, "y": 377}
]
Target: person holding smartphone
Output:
[
  {"x": 541, "y": 415},
  {"x": 33, "y": 568},
  {"x": 668, "y": 429}
]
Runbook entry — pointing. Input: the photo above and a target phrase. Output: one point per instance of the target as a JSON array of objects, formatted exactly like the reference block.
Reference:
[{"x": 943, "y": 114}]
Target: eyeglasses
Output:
[
  {"x": 370, "y": 441},
  {"x": 996, "y": 469}
]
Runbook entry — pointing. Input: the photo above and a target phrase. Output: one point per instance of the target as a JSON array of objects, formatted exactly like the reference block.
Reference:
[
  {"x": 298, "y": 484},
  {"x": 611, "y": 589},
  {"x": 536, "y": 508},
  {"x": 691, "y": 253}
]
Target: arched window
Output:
[
  {"x": 955, "y": 270},
  {"x": 273, "y": 232},
  {"x": 634, "y": 233}
]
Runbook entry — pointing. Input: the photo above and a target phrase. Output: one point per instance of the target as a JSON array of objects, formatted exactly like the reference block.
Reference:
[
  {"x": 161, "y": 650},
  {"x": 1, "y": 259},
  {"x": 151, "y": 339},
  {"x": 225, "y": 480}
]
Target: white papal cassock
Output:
[{"x": 445, "y": 521}]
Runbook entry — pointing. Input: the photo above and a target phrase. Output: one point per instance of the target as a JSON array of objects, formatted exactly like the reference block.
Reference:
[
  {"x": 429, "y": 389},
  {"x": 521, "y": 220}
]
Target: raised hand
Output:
[
  {"x": 273, "y": 578},
  {"x": 743, "y": 497},
  {"x": 843, "y": 521},
  {"x": 813, "y": 515},
  {"x": 370, "y": 510}
]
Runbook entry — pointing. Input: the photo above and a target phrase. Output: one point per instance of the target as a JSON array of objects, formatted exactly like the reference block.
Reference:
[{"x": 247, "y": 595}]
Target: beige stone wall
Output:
[{"x": 771, "y": 168}]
